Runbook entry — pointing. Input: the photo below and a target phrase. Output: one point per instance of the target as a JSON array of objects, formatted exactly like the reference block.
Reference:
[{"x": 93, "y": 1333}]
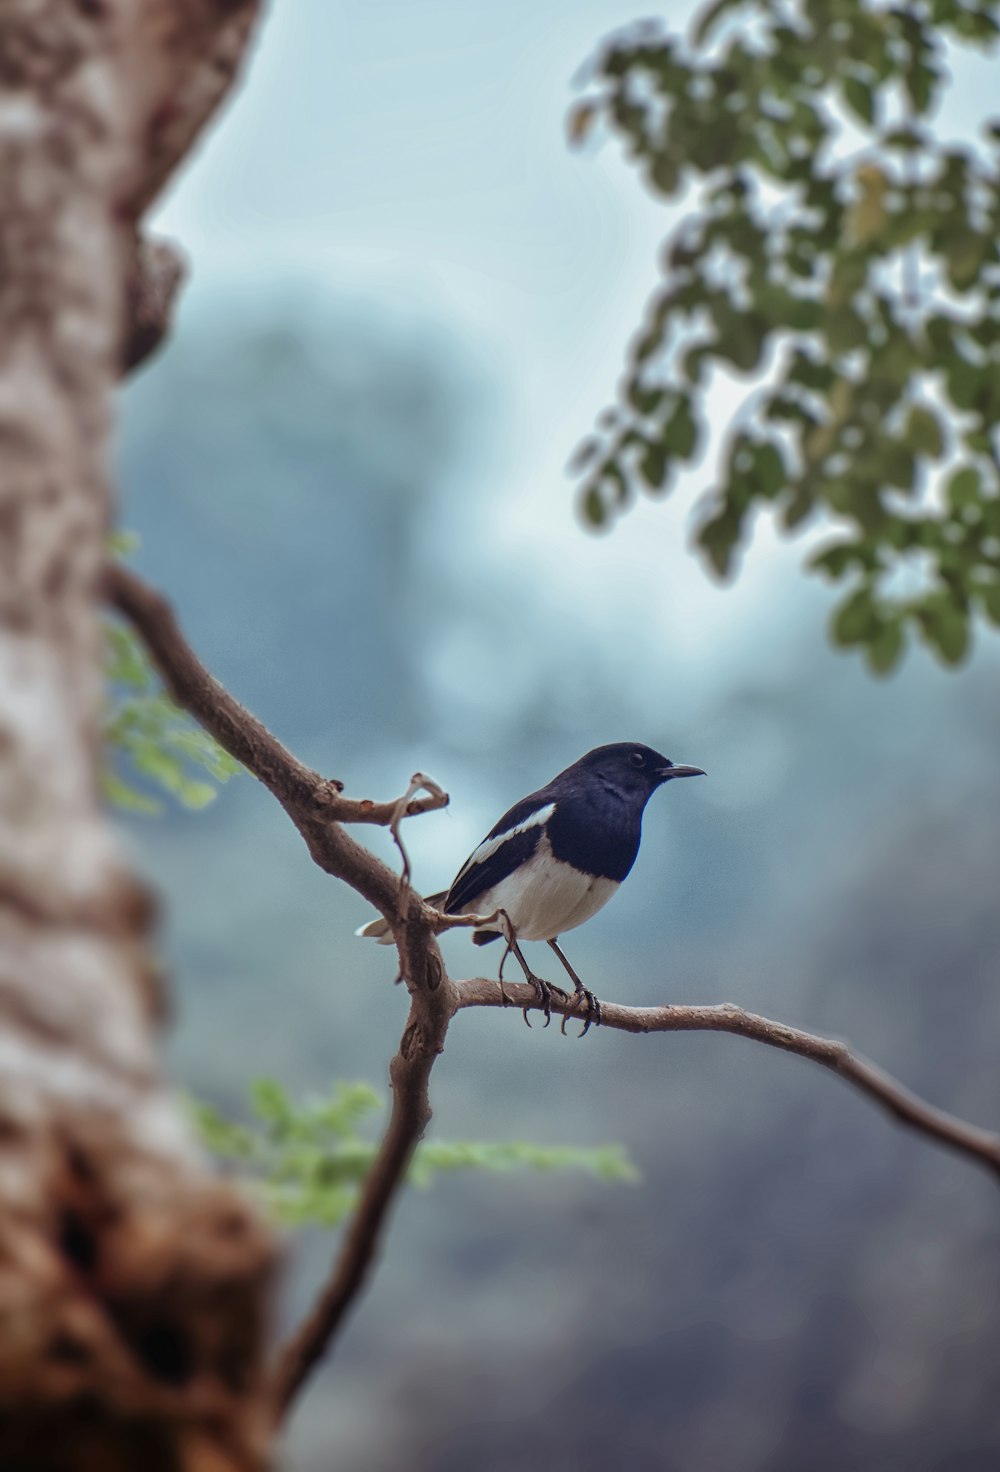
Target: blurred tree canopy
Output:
[{"x": 842, "y": 258}]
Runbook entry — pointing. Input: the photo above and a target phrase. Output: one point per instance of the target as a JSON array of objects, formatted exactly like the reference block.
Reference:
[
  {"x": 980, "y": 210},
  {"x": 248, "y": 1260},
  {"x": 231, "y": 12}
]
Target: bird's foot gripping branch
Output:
[{"x": 320, "y": 811}]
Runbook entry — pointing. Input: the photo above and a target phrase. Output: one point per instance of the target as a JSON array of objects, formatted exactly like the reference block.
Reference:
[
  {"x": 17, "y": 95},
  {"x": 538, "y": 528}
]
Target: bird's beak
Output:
[{"x": 674, "y": 769}]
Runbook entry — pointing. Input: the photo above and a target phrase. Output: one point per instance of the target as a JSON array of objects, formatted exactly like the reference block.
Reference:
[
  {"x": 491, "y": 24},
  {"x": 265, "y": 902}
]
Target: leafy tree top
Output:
[{"x": 843, "y": 261}]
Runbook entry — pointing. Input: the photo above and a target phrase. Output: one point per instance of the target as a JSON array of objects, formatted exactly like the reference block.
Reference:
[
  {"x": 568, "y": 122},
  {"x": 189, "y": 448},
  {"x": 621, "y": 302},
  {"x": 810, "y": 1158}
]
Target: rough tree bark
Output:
[{"x": 132, "y": 1285}]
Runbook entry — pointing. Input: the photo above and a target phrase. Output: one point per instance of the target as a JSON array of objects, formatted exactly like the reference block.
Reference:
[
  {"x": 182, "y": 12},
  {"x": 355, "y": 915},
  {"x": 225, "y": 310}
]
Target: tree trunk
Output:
[{"x": 131, "y": 1284}]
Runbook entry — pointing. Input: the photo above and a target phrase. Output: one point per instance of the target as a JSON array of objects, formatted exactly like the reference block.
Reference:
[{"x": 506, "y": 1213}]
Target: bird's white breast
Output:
[{"x": 545, "y": 897}]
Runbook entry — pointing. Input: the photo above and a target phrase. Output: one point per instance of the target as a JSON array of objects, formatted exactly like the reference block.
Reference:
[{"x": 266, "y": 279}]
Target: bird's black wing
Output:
[{"x": 509, "y": 843}]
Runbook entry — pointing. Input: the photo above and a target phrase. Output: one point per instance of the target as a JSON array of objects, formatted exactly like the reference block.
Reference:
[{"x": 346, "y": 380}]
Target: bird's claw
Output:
[
  {"x": 546, "y": 991},
  {"x": 593, "y": 1017},
  {"x": 593, "y": 1012}
]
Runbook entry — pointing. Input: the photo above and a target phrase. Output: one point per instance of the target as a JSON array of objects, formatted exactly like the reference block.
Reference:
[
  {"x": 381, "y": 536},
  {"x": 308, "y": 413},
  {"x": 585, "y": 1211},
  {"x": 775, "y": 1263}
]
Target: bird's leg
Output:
[
  {"x": 507, "y": 931},
  {"x": 543, "y": 988},
  {"x": 582, "y": 993}
]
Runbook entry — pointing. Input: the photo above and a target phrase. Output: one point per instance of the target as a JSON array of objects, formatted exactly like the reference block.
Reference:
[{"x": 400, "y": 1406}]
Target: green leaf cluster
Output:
[
  {"x": 309, "y": 1159},
  {"x": 845, "y": 262},
  {"x": 149, "y": 742}
]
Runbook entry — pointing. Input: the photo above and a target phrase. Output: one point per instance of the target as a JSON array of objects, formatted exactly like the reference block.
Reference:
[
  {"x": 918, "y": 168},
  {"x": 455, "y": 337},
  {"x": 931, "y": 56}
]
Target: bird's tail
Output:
[{"x": 379, "y": 929}]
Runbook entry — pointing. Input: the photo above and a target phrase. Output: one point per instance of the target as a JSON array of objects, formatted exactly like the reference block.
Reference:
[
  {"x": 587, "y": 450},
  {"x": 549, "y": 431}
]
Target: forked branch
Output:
[{"x": 317, "y": 808}]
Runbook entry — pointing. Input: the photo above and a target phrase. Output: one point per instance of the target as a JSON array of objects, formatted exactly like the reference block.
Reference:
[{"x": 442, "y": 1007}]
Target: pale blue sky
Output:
[{"x": 412, "y": 157}]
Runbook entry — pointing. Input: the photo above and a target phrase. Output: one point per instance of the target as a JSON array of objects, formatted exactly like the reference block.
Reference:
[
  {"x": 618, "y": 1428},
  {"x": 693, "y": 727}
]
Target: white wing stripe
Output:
[{"x": 490, "y": 845}]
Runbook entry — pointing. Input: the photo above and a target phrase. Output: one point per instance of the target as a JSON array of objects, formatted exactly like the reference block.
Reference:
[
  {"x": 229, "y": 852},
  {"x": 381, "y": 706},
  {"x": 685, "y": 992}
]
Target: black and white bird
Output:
[{"x": 556, "y": 857}]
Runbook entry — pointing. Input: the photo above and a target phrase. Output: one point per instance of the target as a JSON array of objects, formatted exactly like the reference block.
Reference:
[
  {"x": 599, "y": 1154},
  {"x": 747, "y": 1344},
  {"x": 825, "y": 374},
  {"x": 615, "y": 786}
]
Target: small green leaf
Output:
[
  {"x": 908, "y": 140},
  {"x": 120, "y": 794},
  {"x": 797, "y": 507},
  {"x": 921, "y": 84},
  {"x": 885, "y": 649},
  {"x": 585, "y": 452},
  {"x": 665, "y": 174},
  {"x": 125, "y": 659},
  {"x": 122, "y": 543},
  {"x": 592, "y": 506},
  {"x": 653, "y": 463},
  {"x": 835, "y": 560},
  {"x": 741, "y": 339},
  {"x": 645, "y": 400},
  {"x": 855, "y": 621},
  {"x": 271, "y": 1102},
  {"x": 768, "y": 469},
  {"x": 719, "y": 537},
  {"x": 860, "y": 99},
  {"x": 945, "y": 626},
  {"x": 680, "y": 434}
]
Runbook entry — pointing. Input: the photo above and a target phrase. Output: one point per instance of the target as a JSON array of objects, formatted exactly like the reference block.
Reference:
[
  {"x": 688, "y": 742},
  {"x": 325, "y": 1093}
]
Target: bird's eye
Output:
[{"x": 636, "y": 759}]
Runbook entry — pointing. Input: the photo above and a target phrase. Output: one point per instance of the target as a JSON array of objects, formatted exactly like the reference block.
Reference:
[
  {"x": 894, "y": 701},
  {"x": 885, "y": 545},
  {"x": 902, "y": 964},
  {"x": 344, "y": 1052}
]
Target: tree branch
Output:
[
  {"x": 296, "y": 786},
  {"x": 982, "y": 1146},
  {"x": 432, "y": 1006},
  {"x": 199, "y": 51},
  {"x": 317, "y": 808},
  {"x": 154, "y": 279}
]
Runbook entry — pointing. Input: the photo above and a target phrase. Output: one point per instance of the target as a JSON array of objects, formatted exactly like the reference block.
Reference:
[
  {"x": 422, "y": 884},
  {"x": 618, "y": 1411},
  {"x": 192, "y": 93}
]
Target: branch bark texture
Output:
[{"x": 132, "y": 1286}]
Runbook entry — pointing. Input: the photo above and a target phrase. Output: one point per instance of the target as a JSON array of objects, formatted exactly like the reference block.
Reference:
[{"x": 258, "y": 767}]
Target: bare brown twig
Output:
[
  {"x": 907, "y": 1108},
  {"x": 419, "y": 782},
  {"x": 318, "y": 810}
]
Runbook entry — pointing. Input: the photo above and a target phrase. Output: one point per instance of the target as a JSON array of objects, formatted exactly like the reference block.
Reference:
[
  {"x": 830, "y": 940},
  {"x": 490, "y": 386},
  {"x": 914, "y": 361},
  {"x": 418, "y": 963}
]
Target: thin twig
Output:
[
  {"x": 381, "y": 814},
  {"x": 443, "y": 921},
  {"x": 907, "y": 1108},
  {"x": 419, "y": 782}
]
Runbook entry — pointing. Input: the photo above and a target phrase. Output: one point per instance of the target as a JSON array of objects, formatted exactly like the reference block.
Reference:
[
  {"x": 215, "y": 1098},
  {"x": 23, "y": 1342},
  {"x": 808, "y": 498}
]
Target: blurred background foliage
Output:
[
  {"x": 356, "y": 507},
  {"x": 152, "y": 747},
  {"x": 840, "y": 257},
  {"x": 309, "y": 1158}
]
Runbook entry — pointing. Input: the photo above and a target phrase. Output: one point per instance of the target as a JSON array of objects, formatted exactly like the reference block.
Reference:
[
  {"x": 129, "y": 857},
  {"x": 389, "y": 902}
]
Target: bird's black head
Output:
[{"x": 633, "y": 768}]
